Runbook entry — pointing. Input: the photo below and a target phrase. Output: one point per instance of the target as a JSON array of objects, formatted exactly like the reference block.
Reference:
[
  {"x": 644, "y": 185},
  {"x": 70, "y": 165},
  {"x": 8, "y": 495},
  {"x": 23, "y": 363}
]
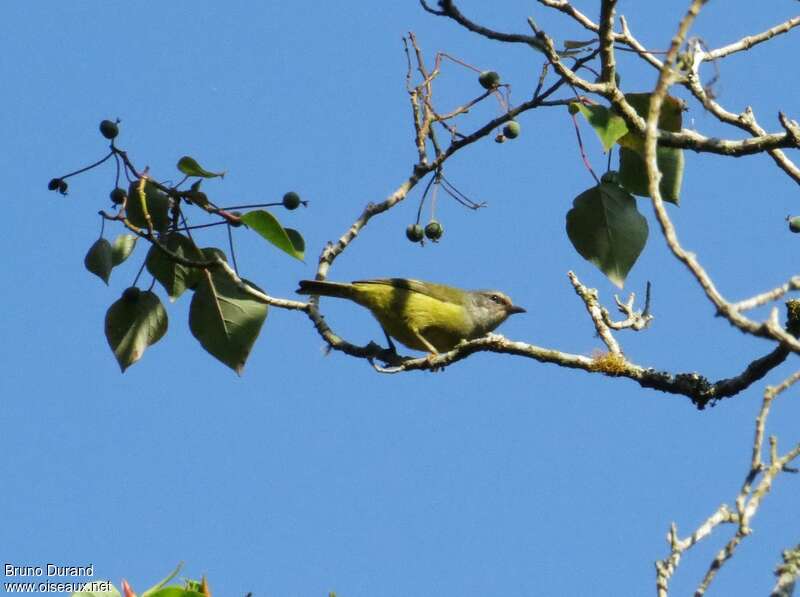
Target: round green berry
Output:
[
  {"x": 574, "y": 108},
  {"x": 434, "y": 230},
  {"x": 109, "y": 129},
  {"x": 291, "y": 200},
  {"x": 511, "y": 130},
  {"x": 237, "y": 221},
  {"x": 414, "y": 233},
  {"x": 489, "y": 79},
  {"x": 794, "y": 224},
  {"x": 118, "y": 196}
]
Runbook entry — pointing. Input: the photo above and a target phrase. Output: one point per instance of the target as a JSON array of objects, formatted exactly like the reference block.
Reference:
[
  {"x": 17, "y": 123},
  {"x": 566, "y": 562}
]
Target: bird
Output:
[{"x": 423, "y": 316}]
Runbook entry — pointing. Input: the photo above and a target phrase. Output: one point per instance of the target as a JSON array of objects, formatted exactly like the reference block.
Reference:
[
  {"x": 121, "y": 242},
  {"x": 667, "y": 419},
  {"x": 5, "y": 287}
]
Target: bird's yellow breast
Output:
[{"x": 406, "y": 315}]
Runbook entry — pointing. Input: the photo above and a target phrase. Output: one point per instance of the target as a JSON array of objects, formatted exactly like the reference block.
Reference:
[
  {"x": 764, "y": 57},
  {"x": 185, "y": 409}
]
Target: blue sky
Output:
[{"x": 313, "y": 473}]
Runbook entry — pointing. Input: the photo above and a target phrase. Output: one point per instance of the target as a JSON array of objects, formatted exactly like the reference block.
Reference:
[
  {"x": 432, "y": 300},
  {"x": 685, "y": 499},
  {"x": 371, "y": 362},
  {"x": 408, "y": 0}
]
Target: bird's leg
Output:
[
  {"x": 432, "y": 354},
  {"x": 424, "y": 340},
  {"x": 392, "y": 347}
]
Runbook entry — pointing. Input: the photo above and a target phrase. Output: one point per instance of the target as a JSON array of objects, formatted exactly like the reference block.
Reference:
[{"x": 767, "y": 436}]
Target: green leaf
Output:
[
  {"x": 189, "y": 166},
  {"x": 265, "y": 224},
  {"x": 609, "y": 126},
  {"x": 164, "y": 582},
  {"x": 297, "y": 241},
  {"x": 174, "y": 277},
  {"x": 633, "y": 174},
  {"x": 606, "y": 229},
  {"x": 122, "y": 248},
  {"x": 225, "y": 319},
  {"x": 89, "y": 593},
  {"x": 158, "y": 206},
  {"x": 670, "y": 118},
  {"x": 99, "y": 260},
  {"x": 132, "y": 324}
]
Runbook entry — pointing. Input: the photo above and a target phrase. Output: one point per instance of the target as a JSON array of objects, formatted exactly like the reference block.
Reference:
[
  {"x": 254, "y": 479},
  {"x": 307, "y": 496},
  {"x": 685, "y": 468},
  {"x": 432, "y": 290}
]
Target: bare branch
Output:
[
  {"x": 589, "y": 298},
  {"x": 748, "y": 501},
  {"x": 768, "y": 296},
  {"x": 751, "y": 40},
  {"x": 571, "y": 11},
  {"x": 606, "y": 35},
  {"x": 787, "y": 573},
  {"x": 634, "y": 320}
]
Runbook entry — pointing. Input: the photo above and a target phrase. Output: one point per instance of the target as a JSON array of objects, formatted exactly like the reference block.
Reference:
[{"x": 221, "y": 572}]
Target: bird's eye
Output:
[{"x": 496, "y": 298}]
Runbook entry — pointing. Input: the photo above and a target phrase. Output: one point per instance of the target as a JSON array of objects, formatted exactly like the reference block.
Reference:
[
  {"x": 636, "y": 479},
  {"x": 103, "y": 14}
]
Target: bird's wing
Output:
[{"x": 438, "y": 291}]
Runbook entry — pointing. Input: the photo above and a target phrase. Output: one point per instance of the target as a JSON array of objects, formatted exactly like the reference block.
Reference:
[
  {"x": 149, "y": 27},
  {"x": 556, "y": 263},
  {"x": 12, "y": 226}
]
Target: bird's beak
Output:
[{"x": 515, "y": 309}]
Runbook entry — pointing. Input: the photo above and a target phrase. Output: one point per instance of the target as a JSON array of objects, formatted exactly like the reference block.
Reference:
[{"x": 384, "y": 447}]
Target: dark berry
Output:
[
  {"x": 794, "y": 224},
  {"x": 434, "y": 230},
  {"x": 610, "y": 177},
  {"x": 131, "y": 294},
  {"x": 414, "y": 233},
  {"x": 54, "y": 184},
  {"x": 511, "y": 130},
  {"x": 118, "y": 196},
  {"x": 109, "y": 129},
  {"x": 489, "y": 79},
  {"x": 291, "y": 200}
]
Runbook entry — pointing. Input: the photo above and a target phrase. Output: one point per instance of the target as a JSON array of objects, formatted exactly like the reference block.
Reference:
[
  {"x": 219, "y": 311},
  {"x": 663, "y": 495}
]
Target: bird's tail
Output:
[{"x": 321, "y": 288}]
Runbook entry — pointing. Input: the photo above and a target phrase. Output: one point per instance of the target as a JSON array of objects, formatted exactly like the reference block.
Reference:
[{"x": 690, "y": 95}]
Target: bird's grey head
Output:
[{"x": 490, "y": 308}]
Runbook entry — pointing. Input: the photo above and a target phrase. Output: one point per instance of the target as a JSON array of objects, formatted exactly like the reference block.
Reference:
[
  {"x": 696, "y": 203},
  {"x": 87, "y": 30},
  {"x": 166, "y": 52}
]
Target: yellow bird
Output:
[{"x": 422, "y": 315}]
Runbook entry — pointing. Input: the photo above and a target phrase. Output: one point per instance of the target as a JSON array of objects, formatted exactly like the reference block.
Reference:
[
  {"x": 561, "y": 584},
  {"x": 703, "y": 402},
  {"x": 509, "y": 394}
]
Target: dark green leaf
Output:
[
  {"x": 265, "y": 224},
  {"x": 670, "y": 119},
  {"x": 609, "y": 126},
  {"x": 122, "y": 248},
  {"x": 605, "y": 227},
  {"x": 158, "y": 205},
  {"x": 633, "y": 175},
  {"x": 189, "y": 166},
  {"x": 225, "y": 319},
  {"x": 133, "y": 324},
  {"x": 99, "y": 260},
  {"x": 174, "y": 277},
  {"x": 297, "y": 241}
]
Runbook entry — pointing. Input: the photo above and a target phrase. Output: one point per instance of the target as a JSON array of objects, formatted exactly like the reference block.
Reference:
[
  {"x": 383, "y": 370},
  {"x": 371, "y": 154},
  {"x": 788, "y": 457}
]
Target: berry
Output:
[
  {"x": 62, "y": 187},
  {"x": 54, "y": 184},
  {"x": 574, "y": 108},
  {"x": 414, "y": 233},
  {"x": 794, "y": 224},
  {"x": 434, "y": 230},
  {"x": 131, "y": 294},
  {"x": 511, "y": 130},
  {"x": 489, "y": 79},
  {"x": 291, "y": 200},
  {"x": 118, "y": 196},
  {"x": 610, "y": 177},
  {"x": 237, "y": 222},
  {"x": 109, "y": 129}
]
